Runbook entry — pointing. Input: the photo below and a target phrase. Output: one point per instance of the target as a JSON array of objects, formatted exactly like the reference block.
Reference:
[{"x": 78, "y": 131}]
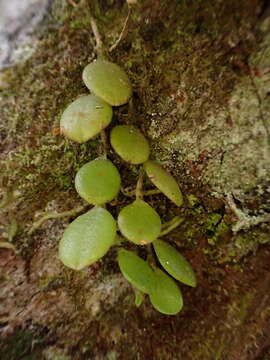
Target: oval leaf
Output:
[
  {"x": 166, "y": 297},
  {"x": 139, "y": 222},
  {"x": 163, "y": 181},
  {"x": 85, "y": 118},
  {"x": 129, "y": 143},
  {"x": 174, "y": 263},
  {"x": 87, "y": 238},
  {"x": 136, "y": 271},
  {"x": 108, "y": 81},
  {"x": 98, "y": 181}
]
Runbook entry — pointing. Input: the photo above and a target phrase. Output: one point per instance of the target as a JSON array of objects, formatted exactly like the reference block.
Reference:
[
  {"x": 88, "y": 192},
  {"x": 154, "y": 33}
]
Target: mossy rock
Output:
[
  {"x": 137, "y": 271},
  {"x": 87, "y": 238},
  {"x": 98, "y": 181},
  {"x": 130, "y": 144},
  {"x": 85, "y": 117},
  {"x": 108, "y": 81},
  {"x": 139, "y": 222},
  {"x": 174, "y": 263},
  {"x": 166, "y": 296},
  {"x": 163, "y": 181}
]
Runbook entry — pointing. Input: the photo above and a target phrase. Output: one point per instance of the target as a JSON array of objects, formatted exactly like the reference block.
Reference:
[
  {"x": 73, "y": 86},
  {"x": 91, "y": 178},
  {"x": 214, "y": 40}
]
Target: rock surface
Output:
[
  {"x": 18, "y": 22},
  {"x": 200, "y": 73}
]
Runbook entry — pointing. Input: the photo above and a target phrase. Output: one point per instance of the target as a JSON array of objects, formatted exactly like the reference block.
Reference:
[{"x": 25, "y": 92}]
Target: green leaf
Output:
[
  {"x": 108, "y": 81},
  {"x": 85, "y": 117},
  {"x": 174, "y": 263},
  {"x": 98, "y": 181},
  {"x": 138, "y": 297},
  {"x": 87, "y": 238},
  {"x": 130, "y": 144},
  {"x": 136, "y": 271},
  {"x": 163, "y": 181},
  {"x": 139, "y": 222},
  {"x": 166, "y": 296}
]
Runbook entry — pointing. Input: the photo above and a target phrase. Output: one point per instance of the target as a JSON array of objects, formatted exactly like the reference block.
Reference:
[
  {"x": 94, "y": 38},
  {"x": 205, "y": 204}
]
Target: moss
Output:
[
  {"x": 18, "y": 346},
  {"x": 193, "y": 200},
  {"x": 41, "y": 164}
]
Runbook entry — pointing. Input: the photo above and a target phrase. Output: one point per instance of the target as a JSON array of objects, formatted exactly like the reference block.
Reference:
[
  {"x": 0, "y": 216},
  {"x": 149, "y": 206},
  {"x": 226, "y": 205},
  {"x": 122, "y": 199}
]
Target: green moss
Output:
[
  {"x": 193, "y": 200},
  {"x": 18, "y": 346},
  {"x": 42, "y": 165}
]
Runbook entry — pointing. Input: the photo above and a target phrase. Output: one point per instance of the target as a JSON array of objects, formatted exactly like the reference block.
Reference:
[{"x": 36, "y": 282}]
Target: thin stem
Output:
[
  {"x": 171, "y": 225},
  {"x": 122, "y": 32},
  {"x": 104, "y": 143},
  {"x": 131, "y": 193},
  {"x": 8, "y": 245},
  {"x": 151, "y": 256},
  {"x": 151, "y": 192},
  {"x": 99, "y": 43},
  {"x": 71, "y": 2},
  {"x": 139, "y": 186},
  {"x": 48, "y": 216}
]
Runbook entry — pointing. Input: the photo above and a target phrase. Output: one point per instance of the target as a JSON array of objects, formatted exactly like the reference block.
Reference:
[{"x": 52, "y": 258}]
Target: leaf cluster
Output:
[{"x": 91, "y": 235}]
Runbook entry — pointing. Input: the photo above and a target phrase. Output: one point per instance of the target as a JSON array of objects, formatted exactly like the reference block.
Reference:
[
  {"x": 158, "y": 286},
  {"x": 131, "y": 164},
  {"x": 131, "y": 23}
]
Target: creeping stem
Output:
[
  {"x": 104, "y": 143},
  {"x": 48, "y": 216},
  {"x": 123, "y": 32},
  {"x": 171, "y": 225},
  {"x": 139, "y": 186}
]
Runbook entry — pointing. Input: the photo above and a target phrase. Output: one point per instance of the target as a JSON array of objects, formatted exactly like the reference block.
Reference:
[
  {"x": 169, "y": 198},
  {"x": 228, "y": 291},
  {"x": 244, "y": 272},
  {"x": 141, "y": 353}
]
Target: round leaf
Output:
[
  {"x": 136, "y": 271},
  {"x": 108, "y": 81},
  {"x": 164, "y": 181},
  {"x": 174, "y": 263},
  {"x": 85, "y": 117},
  {"x": 166, "y": 296},
  {"x": 87, "y": 238},
  {"x": 139, "y": 222},
  {"x": 129, "y": 143},
  {"x": 98, "y": 181}
]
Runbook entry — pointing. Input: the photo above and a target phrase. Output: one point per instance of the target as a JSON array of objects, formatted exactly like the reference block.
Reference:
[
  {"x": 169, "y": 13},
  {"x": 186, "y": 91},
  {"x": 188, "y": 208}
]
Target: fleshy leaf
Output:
[
  {"x": 139, "y": 222},
  {"x": 130, "y": 144},
  {"x": 166, "y": 296},
  {"x": 137, "y": 271},
  {"x": 87, "y": 238},
  {"x": 174, "y": 263},
  {"x": 108, "y": 81},
  {"x": 163, "y": 181},
  {"x": 85, "y": 117},
  {"x": 98, "y": 181}
]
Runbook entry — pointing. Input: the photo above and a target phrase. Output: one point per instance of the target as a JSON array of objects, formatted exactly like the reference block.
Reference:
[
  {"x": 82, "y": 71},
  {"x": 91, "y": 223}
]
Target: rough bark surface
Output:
[{"x": 201, "y": 76}]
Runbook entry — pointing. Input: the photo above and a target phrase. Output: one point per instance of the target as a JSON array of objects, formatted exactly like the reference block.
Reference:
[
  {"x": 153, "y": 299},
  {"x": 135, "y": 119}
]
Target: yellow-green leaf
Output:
[
  {"x": 108, "y": 81},
  {"x": 139, "y": 222},
  {"x": 98, "y": 181},
  {"x": 85, "y": 117},
  {"x": 137, "y": 271},
  {"x": 87, "y": 238},
  {"x": 129, "y": 143},
  {"x": 163, "y": 181},
  {"x": 174, "y": 263},
  {"x": 166, "y": 296}
]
